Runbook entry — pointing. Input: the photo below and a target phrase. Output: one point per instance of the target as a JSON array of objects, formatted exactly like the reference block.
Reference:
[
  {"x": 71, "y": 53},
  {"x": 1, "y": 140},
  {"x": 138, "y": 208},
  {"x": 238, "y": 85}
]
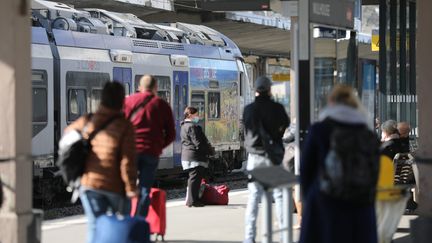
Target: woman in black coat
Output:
[
  {"x": 326, "y": 219},
  {"x": 195, "y": 151}
]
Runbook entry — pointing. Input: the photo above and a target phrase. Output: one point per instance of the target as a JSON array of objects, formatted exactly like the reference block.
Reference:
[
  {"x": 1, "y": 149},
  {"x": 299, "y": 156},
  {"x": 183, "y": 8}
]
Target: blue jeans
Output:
[
  {"x": 99, "y": 202},
  {"x": 255, "y": 195},
  {"x": 147, "y": 166}
]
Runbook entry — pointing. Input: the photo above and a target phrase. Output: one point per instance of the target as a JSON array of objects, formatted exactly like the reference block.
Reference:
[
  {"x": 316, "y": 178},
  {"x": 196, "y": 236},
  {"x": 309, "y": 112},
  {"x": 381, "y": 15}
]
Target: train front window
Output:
[
  {"x": 77, "y": 103},
  {"x": 213, "y": 102}
]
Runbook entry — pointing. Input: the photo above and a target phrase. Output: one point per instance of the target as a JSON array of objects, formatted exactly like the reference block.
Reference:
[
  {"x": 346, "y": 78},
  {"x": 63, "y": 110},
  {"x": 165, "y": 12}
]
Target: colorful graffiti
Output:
[{"x": 219, "y": 80}]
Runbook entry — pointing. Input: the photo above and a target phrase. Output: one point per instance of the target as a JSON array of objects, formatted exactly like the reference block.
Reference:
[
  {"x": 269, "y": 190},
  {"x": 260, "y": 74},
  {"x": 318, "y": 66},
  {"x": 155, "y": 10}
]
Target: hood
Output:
[{"x": 344, "y": 114}]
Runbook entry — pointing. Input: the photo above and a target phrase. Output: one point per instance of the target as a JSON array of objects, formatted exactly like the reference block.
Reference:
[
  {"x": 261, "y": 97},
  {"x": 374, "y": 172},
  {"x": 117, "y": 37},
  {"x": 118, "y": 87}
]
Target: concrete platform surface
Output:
[{"x": 209, "y": 224}]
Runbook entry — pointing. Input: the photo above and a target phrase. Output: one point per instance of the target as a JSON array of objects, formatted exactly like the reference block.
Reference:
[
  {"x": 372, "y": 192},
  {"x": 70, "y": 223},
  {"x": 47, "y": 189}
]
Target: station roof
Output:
[{"x": 255, "y": 33}]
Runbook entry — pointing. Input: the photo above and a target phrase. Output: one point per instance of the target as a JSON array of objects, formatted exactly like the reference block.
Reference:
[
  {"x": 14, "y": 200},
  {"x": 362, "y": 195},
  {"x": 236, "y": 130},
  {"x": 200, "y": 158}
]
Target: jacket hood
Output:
[{"x": 344, "y": 114}]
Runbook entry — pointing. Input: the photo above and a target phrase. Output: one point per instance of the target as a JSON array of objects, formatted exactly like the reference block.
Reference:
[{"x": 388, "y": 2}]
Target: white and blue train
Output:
[{"x": 74, "y": 52}]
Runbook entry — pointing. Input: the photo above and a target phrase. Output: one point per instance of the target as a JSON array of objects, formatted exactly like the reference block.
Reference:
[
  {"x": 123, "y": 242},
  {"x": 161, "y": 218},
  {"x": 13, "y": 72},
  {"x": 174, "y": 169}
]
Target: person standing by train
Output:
[
  {"x": 263, "y": 114},
  {"x": 153, "y": 120},
  {"x": 195, "y": 150},
  {"x": 110, "y": 173}
]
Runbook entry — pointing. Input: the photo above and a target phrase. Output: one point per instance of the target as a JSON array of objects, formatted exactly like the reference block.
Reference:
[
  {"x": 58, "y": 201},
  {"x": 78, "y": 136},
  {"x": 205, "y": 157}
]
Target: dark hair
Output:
[
  {"x": 113, "y": 95},
  {"x": 189, "y": 111}
]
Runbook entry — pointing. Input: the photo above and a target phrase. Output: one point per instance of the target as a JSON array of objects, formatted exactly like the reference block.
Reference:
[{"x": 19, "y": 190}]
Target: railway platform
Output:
[{"x": 209, "y": 224}]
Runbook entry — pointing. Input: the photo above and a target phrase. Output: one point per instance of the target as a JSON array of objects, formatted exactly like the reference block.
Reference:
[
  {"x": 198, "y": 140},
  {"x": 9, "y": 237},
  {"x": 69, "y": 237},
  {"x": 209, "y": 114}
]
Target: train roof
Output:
[{"x": 101, "y": 29}]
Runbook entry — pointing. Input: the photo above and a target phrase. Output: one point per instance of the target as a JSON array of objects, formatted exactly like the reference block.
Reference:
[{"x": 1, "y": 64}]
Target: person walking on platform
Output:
[
  {"x": 195, "y": 150},
  {"x": 391, "y": 142},
  {"x": 339, "y": 147},
  {"x": 153, "y": 120},
  {"x": 263, "y": 115},
  {"x": 110, "y": 173}
]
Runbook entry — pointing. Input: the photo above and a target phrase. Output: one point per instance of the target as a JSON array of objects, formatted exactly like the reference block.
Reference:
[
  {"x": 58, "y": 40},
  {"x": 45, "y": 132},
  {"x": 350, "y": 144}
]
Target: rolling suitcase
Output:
[{"x": 157, "y": 213}]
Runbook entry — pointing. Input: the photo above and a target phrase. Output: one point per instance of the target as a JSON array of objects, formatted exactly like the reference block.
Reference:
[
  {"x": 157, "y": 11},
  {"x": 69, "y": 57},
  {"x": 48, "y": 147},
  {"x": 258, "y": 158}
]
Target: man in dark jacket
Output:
[
  {"x": 153, "y": 120},
  {"x": 263, "y": 114}
]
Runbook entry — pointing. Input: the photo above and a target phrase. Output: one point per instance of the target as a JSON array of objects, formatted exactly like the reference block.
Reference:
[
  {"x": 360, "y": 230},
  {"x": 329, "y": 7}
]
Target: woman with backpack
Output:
[
  {"x": 110, "y": 172},
  {"x": 195, "y": 151},
  {"x": 338, "y": 174}
]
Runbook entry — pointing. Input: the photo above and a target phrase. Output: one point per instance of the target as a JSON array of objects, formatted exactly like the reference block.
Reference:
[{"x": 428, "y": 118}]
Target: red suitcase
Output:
[{"x": 157, "y": 212}]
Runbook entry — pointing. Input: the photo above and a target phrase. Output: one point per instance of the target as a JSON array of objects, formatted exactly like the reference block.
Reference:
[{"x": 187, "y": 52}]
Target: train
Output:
[{"x": 74, "y": 52}]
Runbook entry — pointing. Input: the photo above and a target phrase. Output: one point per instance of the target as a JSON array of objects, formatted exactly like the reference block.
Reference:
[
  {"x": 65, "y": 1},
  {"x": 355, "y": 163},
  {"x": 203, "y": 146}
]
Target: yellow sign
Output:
[
  {"x": 281, "y": 77},
  {"x": 375, "y": 40}
]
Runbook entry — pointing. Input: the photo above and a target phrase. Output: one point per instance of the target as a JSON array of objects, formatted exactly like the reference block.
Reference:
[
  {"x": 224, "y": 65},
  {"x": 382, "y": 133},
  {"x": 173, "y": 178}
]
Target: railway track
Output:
[{"x": 175, "y": 189}]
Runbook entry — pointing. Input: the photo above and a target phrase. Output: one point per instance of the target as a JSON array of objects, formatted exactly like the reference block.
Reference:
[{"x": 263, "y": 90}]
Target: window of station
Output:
[
  {"x": 39, "y": 101},
  {"x": 77, "y": 103},
  {"x": 213, "y": 105}
]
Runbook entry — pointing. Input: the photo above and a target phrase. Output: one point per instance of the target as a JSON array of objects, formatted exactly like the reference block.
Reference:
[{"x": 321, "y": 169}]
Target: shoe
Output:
[{"x": 198, "y": 204}]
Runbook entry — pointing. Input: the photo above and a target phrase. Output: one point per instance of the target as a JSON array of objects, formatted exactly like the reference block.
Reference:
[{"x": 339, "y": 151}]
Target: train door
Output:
[
  {"x": 124, "y": 76},
  {"x": 180, "y": 80}
]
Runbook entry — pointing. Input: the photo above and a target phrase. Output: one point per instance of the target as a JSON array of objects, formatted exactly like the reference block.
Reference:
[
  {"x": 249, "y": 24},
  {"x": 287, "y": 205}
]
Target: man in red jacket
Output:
[{"x": 153, "y": 120}]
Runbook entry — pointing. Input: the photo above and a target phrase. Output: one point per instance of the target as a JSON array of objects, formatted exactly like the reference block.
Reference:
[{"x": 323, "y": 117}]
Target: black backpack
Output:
[
  {"x": 351, "y": 166},
  {"x": 73, "y": 156}
]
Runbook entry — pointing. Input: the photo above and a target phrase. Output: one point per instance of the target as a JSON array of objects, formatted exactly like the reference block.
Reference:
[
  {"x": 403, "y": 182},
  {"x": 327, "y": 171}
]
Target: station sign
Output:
[
  {"x": 235, "y": 5},
  {"x": 335, "y": 13},
  {"x": 281, "y": 77}
]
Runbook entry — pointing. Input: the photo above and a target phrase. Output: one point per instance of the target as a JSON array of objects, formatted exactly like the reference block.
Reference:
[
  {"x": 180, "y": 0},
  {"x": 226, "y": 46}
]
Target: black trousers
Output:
[{"x": 194, "y": 182}]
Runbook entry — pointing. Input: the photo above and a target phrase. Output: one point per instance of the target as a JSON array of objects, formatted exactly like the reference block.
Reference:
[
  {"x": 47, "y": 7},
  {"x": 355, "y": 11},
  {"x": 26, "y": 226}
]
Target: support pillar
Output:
[
  {"x": 16, "y": 216},
  {"x": 421, "y": 228}
]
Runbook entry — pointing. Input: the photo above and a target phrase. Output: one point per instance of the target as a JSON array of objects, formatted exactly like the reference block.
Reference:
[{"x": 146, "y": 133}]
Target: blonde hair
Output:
[{"x": 344, "y": 95}]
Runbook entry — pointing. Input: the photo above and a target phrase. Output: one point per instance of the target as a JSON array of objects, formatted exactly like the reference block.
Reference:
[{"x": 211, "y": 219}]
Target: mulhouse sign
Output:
[{"x": 337, "y": 13}]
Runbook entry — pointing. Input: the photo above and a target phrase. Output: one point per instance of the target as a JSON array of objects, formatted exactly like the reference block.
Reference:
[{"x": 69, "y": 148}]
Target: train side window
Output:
[
  {"x": 177, "y": 101},
  {"x": 39, "y": 101},
  {"x": 127, "y": 89},
  {"x": 95, "y": 99},
  {"x": 198, "y": 101},
  {"x": 77, "y": 100},
  {"x": 185, "y": 97},
  {"x": 164, "y": 86},
  {"x": 80, "y": 96},
  {"x": 213, "y": 102}
]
